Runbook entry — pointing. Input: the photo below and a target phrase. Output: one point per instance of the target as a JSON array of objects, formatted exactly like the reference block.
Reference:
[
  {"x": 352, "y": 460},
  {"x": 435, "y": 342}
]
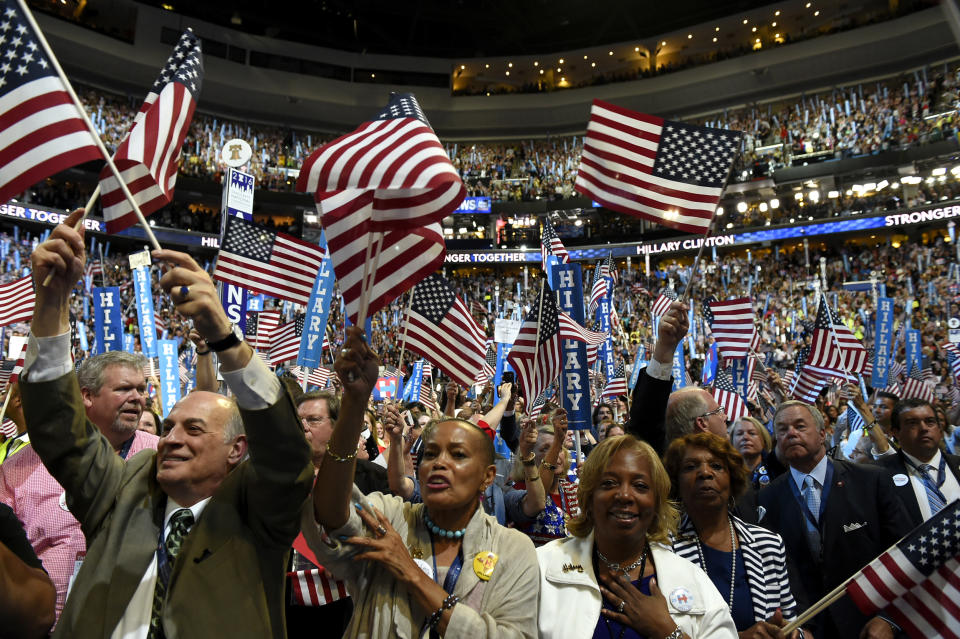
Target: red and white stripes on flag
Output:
[
  {"x": 16, "y": 301},
  {"x": 915, "y": 386},
  {"x": 439, "y": 327},
  {"x": 731, "y": 323},
  {"x": 726, "y": 395},
  {"x": 662, "y": 304},
  {"x": 536, "y": 356},
  {"x": 264, "y": 261},
  {"x": 285, "y": 341},
  {"x": 917, "y": 582},
  {"x": 834, "y": 349},
  {"x": 8, "y": 428},
  {"x": 667, "y": 172},
  {"x": 386, "y": 185},
  {"x": 617, "y": 385},
  {"x": 42, "y": 131},
  {"x": 809, "y": 385},
  {"x": 551, "y": 245},
  {"x": 316, "y": 587},
  {"x": 260, "y": 327},
  {"x": 427, "y": 397},
  {"x": 149, "y": 157},
  {"x": 317, "y": 377}
]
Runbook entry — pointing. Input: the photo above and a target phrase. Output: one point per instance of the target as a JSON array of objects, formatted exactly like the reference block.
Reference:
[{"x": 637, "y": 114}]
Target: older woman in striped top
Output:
[{"x": 746, "y": 563}]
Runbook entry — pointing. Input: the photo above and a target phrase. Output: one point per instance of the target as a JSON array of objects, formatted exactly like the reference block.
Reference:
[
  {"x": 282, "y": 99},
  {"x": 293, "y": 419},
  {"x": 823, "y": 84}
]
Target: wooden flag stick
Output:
[
  {"x": 367, "y": 286},
  {"x": 6, "y": 401},
  {"x": 536, "y": 342},
  {"x": 86, "y": 209},
  {"x": 403, "y": 341},
  {"x": 86, "y": 118}
]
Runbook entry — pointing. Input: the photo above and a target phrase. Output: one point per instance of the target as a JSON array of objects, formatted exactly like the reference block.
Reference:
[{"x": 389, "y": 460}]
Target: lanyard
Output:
[
  {"x": 125, "y": 449},
  {"x": 453, "y": 573}
]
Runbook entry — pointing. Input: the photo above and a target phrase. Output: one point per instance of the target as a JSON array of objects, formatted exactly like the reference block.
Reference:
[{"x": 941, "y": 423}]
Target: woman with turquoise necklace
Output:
[{"x": 442, "y": 568}]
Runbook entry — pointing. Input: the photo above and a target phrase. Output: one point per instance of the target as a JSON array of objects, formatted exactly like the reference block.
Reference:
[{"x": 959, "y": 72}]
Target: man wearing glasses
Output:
[{"x": 690, "y": 410}]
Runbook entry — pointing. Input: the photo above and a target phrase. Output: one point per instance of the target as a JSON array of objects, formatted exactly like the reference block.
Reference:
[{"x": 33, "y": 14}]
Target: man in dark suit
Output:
[
  {"x": 649, "y": 402},
  {"x": 834, "y": 516},
  {"x": 926, "y": 479},
  {"x": 189, "y": 541}
]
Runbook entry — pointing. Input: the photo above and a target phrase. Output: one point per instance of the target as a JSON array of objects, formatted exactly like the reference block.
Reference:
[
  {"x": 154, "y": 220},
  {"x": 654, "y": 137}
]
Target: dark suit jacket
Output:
[
  {"x": 862, "y": 518},
  {"x": 229, "y": 576},
  {"x": 648, "y": 410},
  {"x": 896, "y": 465}
]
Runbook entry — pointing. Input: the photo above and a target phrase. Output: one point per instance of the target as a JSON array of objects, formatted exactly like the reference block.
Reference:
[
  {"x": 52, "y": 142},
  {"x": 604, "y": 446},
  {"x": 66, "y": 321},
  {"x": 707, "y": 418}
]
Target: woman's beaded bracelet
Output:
[
  {"x": 449, "y": 602},
  {"x": 337, "y": 458}
]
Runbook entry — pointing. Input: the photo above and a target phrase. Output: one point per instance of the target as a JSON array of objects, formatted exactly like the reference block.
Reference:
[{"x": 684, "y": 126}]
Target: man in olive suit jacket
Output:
[{"x": 190, "y": 540}]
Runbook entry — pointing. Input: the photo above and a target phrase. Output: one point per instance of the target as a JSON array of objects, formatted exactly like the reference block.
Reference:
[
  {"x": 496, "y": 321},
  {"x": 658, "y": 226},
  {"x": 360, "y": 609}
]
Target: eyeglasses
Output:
[
  {"x": 314, "y": 421},
  {"x": 716, "y": 411}
]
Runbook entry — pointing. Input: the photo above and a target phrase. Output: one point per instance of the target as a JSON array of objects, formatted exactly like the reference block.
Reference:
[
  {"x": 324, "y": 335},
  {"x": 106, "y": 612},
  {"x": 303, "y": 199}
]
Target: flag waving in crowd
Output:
[
  {"x": 731, "y": 322},
  {"x": 551, "y": 246},
  {"x": 149, "y": 157}
]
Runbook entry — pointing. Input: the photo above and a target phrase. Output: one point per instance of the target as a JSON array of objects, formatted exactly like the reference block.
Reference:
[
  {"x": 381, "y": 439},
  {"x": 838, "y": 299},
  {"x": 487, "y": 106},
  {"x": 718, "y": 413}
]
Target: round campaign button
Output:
[
  {"x": 900, "y": 479},
  {"x": 681, "y": 599}
]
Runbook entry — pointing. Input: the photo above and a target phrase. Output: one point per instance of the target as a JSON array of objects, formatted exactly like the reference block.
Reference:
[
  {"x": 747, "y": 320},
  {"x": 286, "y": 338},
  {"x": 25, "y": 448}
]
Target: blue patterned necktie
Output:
[
  {"x": 934, "y": 496},
  {"x": 812, "y": 498},
  {"x": 180, "y": 523}
]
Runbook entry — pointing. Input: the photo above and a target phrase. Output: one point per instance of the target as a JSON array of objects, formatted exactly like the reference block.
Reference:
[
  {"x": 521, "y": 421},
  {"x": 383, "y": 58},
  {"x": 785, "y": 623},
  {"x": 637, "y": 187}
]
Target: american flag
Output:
[
  {"x": 550, "y": 244},
  {"x": 917, "y": 582},
  {"x": 953, "y": 358},
  {"x": 268, "y": 262},
  {"x": 599, "y": 289},
  {"x": 854, "y": 419},
  {"x": 317, "y": 377},
  {"x": 427, "y": 397},
  {"x": 916, "y": 386},
  {"x": 617, "y": 385},
  {"x": 6, "y": 371},
  {"x": 185, "y": 369},
  {"x": 17, "y": 366},
  {"x": 536, "y": 408},
  {"x": 439, "y": 328},
  {"x": 148, "y": 158},
  {"x": 806, "y": 384},
  {"x": 17, "y": 300},
  {"x": 662, "y": 304},
  {"x": 43, "y": 130},
  {"x": 316, "y": 587},
  {"x": 260, "y": 327},
  {"x": 476, "y": 308},
  {"x": 668, "y": 172},
  {"x": 727, "y": 396},
  {"x": 390, "y": 176},
  {"x": 285, "y": 341},
  {"x": 843, "y": 355},
  {"x": 731, "y": 322},
  {"x": 159, "y": 323},
  {"x": 8, "y": 428},
  {"x": 489, "y": 368},
  {"x": 551, "y": 326}
]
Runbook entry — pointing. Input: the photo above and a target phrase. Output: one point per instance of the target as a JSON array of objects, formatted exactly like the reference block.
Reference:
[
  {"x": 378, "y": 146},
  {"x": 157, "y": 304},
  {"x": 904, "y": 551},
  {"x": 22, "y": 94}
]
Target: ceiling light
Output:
[
  {"x": 585, "y": 56},
  {"x": 773, "y": 24},
  {"x": 745, "y": 21},
  {"x": 558, "y": 69},
  {"x": 637, "y": 49},
  {"x": 719, "y": 211},
  {"x": 833, "y": 195},
  {"x": 814, "y": 196},
  {"x": 816, "y": 13},
  {"x": 486, "y": 66},
  {"x": 510, "y": 64},
  {"x": 716, "y": 28},
  {"x": 593, "y": 64},
  {"x": 689, "y": 36},
  {"x": 763, "y": 207},
  {"x": 938, "y": 171},
  {"x": 536, "y": 64},
  {"x": 714, "y": 39},
  {"x": 742, "y": 207},
  {"x": 882, "y": 184},
  {"x": 777, "y": 12},
  {"x": 462, "y": 67},
  {"x": 754, "y": 30},
  {"x": 541, "y": 71},
  {"x": 663, "y": 43},
  {"x": 561, "y": 60},
  {"x": 609, "y": 52},
  {"x": 774, "y": 203},
  {"x": 508, "y": 73},
  {"x": 798, "y": 195}
]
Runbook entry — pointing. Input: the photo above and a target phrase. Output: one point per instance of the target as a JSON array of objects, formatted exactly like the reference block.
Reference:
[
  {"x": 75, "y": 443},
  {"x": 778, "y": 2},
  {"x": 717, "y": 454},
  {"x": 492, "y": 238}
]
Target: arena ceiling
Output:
[{"x": 458, "y": 28}]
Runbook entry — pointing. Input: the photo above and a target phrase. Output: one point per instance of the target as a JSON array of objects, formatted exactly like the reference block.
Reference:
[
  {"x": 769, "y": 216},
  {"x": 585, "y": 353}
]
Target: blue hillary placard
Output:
[
  {"x": 169, "y": 369},
  {"x": 107, "y": 320},
  {"x": 416, "y": 381},
  {"x": 739, "y": 371},
  {"x": 638, "y": 362},
  {"x": 883, "y": 343},
  {"x": 913, "y": 347},
  {"x": 574, "y": 378},
  {"x": 679, "y": 371},
  {"x": 129, "y": 343},
  {"x": 145, "y": 319},
  {"x": 318, "y": 309}
]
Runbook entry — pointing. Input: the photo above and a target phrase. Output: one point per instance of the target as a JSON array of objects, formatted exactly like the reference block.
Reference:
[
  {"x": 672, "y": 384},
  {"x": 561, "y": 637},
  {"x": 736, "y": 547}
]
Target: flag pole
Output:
[
  {"x": 90, "y": 127},
  {"x": 76, "y": 227},
  {"x": 403, "y": 341},
  {"x": 6, "y": 401},
  {"x": 536, "y": 343},
  {"x": 366, "y": 286}
]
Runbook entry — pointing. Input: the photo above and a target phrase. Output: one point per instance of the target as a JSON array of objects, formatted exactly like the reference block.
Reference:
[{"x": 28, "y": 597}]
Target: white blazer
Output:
[{"x": 570, "y": 598}]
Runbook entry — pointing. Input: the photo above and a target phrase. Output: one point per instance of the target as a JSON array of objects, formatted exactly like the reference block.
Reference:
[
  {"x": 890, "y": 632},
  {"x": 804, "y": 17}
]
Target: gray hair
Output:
[
  {"x": 814, "y": 413},
  {"x": 683, "y": 409},
  {"x": 92, "y": 369},
  {"x": 233, "y": 428}
]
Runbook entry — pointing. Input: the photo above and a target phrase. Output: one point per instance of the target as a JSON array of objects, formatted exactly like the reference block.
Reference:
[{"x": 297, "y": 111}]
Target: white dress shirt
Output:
[{"x": 950, "y": 488}]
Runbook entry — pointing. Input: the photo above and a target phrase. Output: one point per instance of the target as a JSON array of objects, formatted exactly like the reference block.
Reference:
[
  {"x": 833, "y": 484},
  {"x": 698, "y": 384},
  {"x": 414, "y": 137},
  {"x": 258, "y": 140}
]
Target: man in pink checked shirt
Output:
[{"x": 114, "y": 395}]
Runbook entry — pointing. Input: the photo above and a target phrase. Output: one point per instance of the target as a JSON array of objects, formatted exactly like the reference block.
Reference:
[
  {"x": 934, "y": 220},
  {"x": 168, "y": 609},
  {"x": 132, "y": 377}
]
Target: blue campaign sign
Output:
[
  {"x": 479, "y": 204},
  {"x": 128, "y": 343},
  {"x": 740, "y": 372},
  {"x": 575, "y": 378},
  {"x": 107, "y": 319},
  {"x": 638, "y": 363},
  {"x": 883, "y": 343},
  {"x": 255, "y": 302},
  {"x": 913, "y": 347},
  {"x": 169, "y": 369},
  {"x": 145, "y": 320},
  {"x": 318, "y": 309},
  {"x": 503, "y": 351},
  {"x": 416, "y": 381},
  {"x": 679, "y": 371},
  {"x": 237, "y": 202}
]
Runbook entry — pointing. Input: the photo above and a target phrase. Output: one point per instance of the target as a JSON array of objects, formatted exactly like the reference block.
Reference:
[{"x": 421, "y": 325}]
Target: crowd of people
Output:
[{"x": 598, "y": 532}]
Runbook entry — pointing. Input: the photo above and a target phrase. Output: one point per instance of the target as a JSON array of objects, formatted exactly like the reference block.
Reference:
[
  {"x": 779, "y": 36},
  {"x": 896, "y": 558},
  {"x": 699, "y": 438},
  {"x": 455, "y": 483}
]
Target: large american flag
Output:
[
  {"x": 439, "y": 328},
  {"x": 834, "y": 349},
  {"x": 285, "y": 341},
  {"x": 550, "y": 244},
  {"x": 917, "y": 582},
  {"x": 540, "y": 339},
  {"x": 391, "y": 176},
  {"x": 42, "y": 130},
  {"x": 731, "y": 322},
  {"x": 259, "y": 328},
  {"x": 17, "y": 300},
  {"x": 668, "y": 172},
  {"x": 148, "y": 158},
  {"x": 268, "y": 262},
  {"x": 727, "y": 396}
]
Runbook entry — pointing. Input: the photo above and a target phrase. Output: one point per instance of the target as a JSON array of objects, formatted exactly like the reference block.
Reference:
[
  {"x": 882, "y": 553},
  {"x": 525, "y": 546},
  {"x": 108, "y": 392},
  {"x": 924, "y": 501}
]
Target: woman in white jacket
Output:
[{"x": 615, "y": 577}]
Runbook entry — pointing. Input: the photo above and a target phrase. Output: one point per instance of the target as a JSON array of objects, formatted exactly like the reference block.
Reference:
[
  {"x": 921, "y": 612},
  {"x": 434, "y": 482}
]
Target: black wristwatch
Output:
[{"x": 234, "y": 337}]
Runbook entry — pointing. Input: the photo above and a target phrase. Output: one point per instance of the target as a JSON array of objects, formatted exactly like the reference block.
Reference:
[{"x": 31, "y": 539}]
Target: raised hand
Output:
[
  {"x": 393, "y": 423},
  {"x": 194, "y": 294},
  {"x": 62, "y": 259},
  {"x": 357, "y": 366},
  {"x": 673, "y": 327}
]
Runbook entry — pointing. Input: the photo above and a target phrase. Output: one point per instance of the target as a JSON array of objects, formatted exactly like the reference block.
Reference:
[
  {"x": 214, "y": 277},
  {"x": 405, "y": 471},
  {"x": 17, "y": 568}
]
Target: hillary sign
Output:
[
  {"x": 107, "y": 320},
  {"x": 169, "y": 369},
  {"x": 574, "y": 379},
  {"x": 883, "y": 343}
]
